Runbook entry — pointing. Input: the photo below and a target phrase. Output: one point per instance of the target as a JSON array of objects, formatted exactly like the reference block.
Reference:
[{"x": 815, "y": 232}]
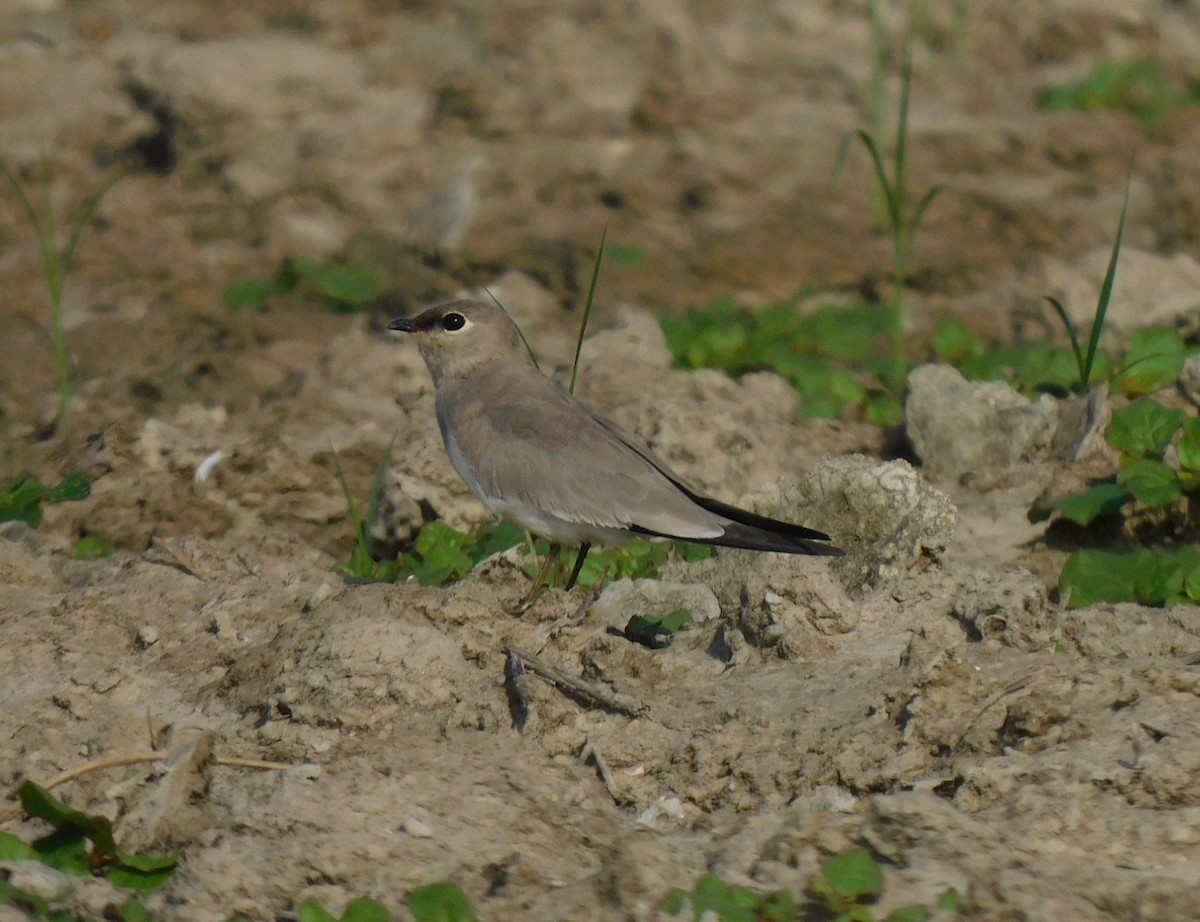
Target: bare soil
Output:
[{"x": 1043, "y": 762}]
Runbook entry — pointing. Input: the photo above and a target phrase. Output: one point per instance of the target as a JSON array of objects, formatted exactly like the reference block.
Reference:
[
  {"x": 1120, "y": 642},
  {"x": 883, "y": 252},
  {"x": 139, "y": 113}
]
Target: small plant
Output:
[
  {"x": 39, "y": 909},
  {"x": 850, "y": 882},
  {"x": 362, "y": 909},
  {"x": 730, "y": 903},
  {"x": 362, "y": 565},
  {"x": 1142, "y": 432},
  {"x": 1085, "y": 360},
  {"x": 83, "y": 843},
  {"x": 56, "y": 266},
  {"x": 441, "y": 902},
  {"x": 346, "y": 288},
  {"x": 1138, "y": 87},
  {"x": 902, "y": 221},
  {"x": 835, "y": 357},
  {"x": 843, "y": 892},
  {"x": 22, "y": 499},
  {"x": 91, "y": 547},
  {"x": 1153, "y": 360},
  {"x": 442, "y": 554},
  {"x": 638, "y": 559}
]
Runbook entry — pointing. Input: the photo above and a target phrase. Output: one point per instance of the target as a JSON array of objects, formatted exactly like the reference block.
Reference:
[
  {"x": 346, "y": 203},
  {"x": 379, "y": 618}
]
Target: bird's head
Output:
[{"x": 458, "y": 339}]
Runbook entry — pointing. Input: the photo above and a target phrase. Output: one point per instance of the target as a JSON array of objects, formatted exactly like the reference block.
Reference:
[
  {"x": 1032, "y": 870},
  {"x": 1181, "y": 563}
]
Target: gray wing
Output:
[{"x": 538, "y": 446}]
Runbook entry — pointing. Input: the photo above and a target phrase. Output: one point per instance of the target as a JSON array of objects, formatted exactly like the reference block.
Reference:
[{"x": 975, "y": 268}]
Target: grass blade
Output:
[
  {"x": 1106, "y": 290},
  {"x": 1069, "y": 325},
  {"x": 895, "y": 216},
  {"x": 922, "y": 206},
  {"x": 901, "y": 159},
  {"x": 90, "y": 207},
  {"x": 351, "y": 505},
  {"x": 587, "y": 310}
]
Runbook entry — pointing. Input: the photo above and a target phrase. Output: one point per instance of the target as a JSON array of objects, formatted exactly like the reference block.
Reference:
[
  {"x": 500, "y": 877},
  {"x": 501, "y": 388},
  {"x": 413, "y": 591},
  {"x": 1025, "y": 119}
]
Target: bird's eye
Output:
[{"x": 453, "y": 321}]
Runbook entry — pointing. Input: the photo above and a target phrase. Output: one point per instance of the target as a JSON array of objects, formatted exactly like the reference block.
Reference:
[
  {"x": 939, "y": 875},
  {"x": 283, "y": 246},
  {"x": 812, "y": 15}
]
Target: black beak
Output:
[{"x": 403, "y": 325}]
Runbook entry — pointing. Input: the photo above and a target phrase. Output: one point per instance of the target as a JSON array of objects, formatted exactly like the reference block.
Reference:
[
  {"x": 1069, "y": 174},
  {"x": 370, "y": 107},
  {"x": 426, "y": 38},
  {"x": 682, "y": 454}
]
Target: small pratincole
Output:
[{"x": 536, "y": 455}]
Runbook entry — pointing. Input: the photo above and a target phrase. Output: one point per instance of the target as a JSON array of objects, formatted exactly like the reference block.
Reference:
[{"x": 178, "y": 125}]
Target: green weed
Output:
[
  {"x": 902, "y": 221},
  {"x": 91, "y": 547},
  {"x": 22, "y": 499},
  {"x": 843, "y": 892},
  {"x": 442, "y": 554},
  {"x": 730, "y": 903},
  {"x": 1153, "y": 360},
  {"x": 362, "y": 565},
  {"x": 82, "y": 843},
  {"x": 638, "y": 559},
  {"x": 30, "y": 906},
  {"x": 1085, "y": 360},
  {"x": 1157, "y": 577},
  {"x": 1138, "y": 87},
  {"x": 837, "y": 358},
  {"x": 56, "y": 266},
  {"x": 441, "y": 902},
  {"x": 346, "y": 288},
  {"x": 362, "y": 909},
  {"x": 1143, "y": 432}
]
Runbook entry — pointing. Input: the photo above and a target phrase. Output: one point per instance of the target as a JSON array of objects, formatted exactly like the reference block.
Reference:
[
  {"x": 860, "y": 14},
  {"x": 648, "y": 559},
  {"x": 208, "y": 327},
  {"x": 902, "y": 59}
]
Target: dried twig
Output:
[
  {"x": 590, "y": 750},
  {"x": 593, "y": 693},
  {"x": 1009, "y": 689},
  {"x": 137, "y": 758}
]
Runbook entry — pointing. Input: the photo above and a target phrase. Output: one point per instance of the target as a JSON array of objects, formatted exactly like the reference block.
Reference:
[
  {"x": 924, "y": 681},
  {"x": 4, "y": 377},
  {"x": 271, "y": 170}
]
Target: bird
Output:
[{"x": 537, "y": 455}]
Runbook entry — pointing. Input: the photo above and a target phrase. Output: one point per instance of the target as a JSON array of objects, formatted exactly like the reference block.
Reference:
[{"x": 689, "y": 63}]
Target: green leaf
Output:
[
  {"x": 885, "y": 409},
  {"x": 1143, "y": 429},
  {"x": 65, "y": 849},
  {"x": 40, "y": 803},
  {"x": 441, "y": 902},
  {"x": 1152, "y": 482},
  {"x": 950, "y": 901},
  {"x": 142, "y": 873},
  {"x": 350, "y": 285},
  {"x": 147, "y": 863},
  {"x": 250, "y": 292},
  {"x": 133, "y": 911},
  {"x": 494, "y": 538},
  {"x": 365, "y": 910},
  {"x": 312, "y": 911},
  {"x": 954, "y": 342},
  {"x": 729, "y": 903},
  {"x": 689, "y": 552},
  {"x": 21, "y": 501},
  {"x": 73, "y": 488},
  {"x": 1188, "y": 446},
  {"x": 1143, "y": 576},
  {"x": 1083, "y": 508},
  {"x": 1154, "y": 361},
  {"x": 13, "y": 849},
  {"x": 1191, "y": 583},
  {"x": 91, "y": 547},
  {"x": 854, "y": 874}
]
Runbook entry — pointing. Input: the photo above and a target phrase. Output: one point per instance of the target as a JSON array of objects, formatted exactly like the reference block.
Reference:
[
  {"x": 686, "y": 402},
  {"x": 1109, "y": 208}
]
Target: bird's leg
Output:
[
  {"x": 583, "y": 552},
  {"x": 539, "y": 583}
]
